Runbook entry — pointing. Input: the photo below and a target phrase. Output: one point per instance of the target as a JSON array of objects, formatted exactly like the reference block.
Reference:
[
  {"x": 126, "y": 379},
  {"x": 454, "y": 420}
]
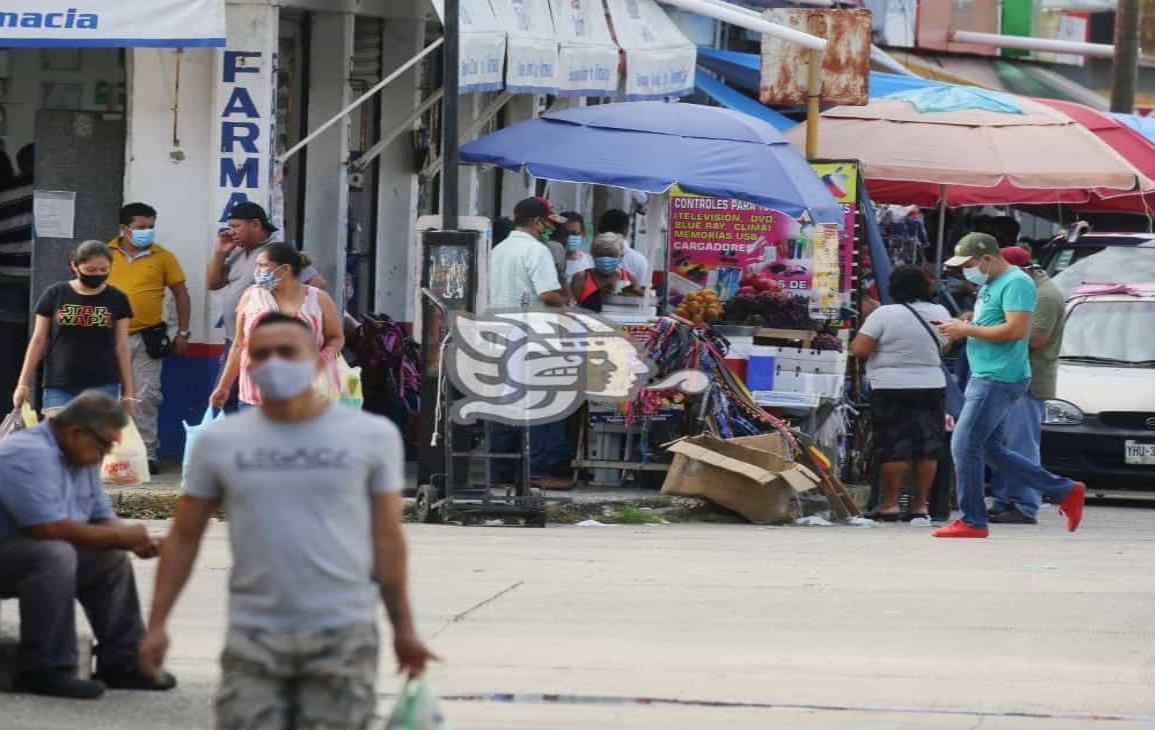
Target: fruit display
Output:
[
  {"x": 827, "y": 341},
  {"x": 700, "y": 306},
  {"x": 769, "y": 308}
]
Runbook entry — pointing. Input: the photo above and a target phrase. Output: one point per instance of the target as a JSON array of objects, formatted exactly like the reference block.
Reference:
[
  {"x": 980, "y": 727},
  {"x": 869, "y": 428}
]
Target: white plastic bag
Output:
[
  {"x": 190, "y": 433},
  {"x": 417, "y": 708},
  {"x": 127, "y": 463}
]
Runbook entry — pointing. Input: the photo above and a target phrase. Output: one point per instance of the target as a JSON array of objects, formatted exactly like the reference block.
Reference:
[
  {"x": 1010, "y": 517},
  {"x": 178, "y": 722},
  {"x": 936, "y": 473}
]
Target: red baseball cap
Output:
[
  {"x": 538, "y": 207},
  {"x": 1015, "y": 256}
]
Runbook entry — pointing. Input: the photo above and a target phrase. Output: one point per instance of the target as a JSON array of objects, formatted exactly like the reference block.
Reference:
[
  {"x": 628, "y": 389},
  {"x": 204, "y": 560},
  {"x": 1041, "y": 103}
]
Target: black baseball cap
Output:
[
  {"x": 249, "y": 211},
  {"x": 538, "y": 207}
]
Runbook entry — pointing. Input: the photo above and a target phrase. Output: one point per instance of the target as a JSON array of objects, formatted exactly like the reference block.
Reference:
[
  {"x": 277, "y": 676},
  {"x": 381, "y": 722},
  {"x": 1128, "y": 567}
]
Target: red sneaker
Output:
[
  {"x": 958, "y": 528},
  {"x": 1072, "y": 505}
]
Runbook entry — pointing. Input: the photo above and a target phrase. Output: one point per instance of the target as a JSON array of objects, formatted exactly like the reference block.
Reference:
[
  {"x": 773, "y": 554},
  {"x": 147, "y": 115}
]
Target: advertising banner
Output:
[
  {"x": 731, "y": 246},
  {"x": 112, "y": 23}
]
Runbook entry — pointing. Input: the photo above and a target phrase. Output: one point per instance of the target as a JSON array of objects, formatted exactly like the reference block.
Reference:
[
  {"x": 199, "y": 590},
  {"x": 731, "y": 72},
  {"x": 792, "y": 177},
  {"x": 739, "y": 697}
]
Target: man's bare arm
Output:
[
  {"x": 178, "y": 553},
  {"x": 115, "y": 535},
  {"x": 390, "y": 571}
]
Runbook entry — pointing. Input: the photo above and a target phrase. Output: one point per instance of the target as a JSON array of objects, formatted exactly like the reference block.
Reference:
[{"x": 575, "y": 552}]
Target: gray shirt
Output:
[
  {"x": 240, "y": 265},
  {"x": 38, "y": 486},
  {"x": 298, "y": 500},
  {"x": 905, "y": 356}
]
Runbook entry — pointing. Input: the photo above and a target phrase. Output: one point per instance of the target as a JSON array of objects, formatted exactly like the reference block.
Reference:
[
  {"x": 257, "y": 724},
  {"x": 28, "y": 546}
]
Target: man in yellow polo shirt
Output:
[{"x": 143, "y": 270}]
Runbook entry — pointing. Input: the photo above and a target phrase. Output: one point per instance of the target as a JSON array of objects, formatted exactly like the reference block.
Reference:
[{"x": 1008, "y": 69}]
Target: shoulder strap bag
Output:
[{"x": 954, "y": 396}]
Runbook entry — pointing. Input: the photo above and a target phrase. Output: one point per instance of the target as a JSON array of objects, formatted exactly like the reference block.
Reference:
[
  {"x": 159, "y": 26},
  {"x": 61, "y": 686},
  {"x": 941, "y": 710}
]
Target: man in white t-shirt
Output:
[
  {"x": 618, "y": 221},
  {"x": 521, "y": 270}
]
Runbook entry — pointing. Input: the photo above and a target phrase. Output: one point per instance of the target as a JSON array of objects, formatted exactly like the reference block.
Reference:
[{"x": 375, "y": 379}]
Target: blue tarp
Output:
[
  {"x": 739, "y": 102},
  {"x": 653, "y": 145},
  {"x": 1143, "y": 125},
  {"x": 949, "y": 98}
]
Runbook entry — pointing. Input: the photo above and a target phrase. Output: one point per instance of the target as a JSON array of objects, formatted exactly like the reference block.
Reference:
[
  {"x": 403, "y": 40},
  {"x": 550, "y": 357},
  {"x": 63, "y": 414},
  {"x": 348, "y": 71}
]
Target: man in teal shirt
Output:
[{"x": 998, "y": 349}]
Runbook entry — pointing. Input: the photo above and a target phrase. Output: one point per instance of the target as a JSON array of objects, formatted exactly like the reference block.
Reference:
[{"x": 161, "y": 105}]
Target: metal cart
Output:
[{"x": 452, "y": 493}]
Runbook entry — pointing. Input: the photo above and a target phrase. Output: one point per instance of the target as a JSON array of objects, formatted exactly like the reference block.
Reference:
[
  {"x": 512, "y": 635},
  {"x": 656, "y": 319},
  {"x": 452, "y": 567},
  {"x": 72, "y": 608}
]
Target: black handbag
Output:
[{"x": 156, "y": 341}]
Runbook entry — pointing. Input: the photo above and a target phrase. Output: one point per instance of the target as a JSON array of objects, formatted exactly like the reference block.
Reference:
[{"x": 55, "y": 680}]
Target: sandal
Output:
[
  {"x": 878, "y": 516},
  {"x": 911, "y": 516}
]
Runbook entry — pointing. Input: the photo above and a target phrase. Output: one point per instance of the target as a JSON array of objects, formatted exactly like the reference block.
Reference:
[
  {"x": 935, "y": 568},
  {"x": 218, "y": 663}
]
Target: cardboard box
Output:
[{"x": 749, "y": 475}]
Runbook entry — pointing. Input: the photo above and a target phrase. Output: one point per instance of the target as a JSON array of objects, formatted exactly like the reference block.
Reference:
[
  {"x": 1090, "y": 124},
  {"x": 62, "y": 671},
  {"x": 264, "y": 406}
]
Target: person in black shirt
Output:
[{"x": 82, "y": 326}]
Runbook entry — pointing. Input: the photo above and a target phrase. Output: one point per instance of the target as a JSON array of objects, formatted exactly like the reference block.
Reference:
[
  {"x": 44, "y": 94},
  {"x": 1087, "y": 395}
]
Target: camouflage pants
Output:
[{"x": 317, "y": 680}]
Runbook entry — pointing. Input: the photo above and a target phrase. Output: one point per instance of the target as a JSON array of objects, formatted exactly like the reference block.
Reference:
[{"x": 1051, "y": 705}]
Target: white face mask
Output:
[
  {"x": 976, "y": 276},
  {"x": 283, "y": 379}
]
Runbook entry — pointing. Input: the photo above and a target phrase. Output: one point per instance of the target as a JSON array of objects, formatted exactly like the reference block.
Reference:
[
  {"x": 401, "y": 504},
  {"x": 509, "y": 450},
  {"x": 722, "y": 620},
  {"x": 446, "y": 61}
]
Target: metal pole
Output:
[
  {"x": 1126, "y": 56},
  {"x": 1098, "y": 50},
  {"x": 361, "y": 99},
  {"x": 450, "y": 157},
  {"x": 813, "y": 95},
  {"x": 941, "y": 232}
]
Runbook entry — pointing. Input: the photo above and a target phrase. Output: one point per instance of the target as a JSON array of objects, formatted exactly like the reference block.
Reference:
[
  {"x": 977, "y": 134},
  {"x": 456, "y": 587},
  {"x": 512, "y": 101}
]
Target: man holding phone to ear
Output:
[{"x": 998, "y": 351}]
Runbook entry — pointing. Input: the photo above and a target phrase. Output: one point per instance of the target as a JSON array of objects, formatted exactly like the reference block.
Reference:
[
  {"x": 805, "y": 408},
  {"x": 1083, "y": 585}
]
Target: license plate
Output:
[{"x": 1140, "y": 454}]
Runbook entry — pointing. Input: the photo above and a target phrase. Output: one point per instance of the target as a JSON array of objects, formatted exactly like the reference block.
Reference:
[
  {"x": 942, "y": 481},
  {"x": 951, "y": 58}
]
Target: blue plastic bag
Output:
[{"x": 190, "y": 432}]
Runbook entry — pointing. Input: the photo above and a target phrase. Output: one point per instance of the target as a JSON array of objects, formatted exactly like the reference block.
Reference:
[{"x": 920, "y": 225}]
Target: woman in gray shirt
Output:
[{"x": 903, "y": 354}]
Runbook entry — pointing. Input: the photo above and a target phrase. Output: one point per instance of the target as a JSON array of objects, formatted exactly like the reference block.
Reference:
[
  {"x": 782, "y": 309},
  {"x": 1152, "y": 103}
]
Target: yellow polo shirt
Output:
[{"x": 144, "y": 279}]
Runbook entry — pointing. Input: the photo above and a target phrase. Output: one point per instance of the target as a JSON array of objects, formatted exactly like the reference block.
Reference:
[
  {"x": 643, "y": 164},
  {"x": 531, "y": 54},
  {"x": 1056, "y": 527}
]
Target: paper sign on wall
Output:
[{"x": 54, "y": 213}]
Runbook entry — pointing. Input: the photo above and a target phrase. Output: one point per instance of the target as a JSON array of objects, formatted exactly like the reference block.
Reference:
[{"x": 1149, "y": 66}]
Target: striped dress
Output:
[{"x": 260, "y": 302}]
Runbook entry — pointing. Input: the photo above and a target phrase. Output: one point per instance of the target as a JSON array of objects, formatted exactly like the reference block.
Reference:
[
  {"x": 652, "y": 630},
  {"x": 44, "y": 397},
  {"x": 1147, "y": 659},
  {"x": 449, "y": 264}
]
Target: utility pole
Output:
[
  {"x": 1126, "y": 56},
  {"x": 450, "y": 156}
]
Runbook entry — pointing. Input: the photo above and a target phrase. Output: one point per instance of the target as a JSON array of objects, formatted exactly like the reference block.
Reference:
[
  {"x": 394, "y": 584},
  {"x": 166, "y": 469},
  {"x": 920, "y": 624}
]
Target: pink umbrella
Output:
[{"x": 957, "y": 146}]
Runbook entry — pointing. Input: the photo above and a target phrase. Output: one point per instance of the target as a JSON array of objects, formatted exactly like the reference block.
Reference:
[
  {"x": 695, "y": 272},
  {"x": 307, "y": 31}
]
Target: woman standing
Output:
[
  {"x": 82, "y": 326},
  {"x": 276, "y": 289},
  {"x": 903, "y": 354},
  {"x": 574, "y": 237},
  {"x": 605, "y": 277}
]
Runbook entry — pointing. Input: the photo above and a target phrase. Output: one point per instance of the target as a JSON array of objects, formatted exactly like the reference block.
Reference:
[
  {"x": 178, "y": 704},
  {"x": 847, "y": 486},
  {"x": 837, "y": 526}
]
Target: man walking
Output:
[
  {"x": 997, "y": 346},
  {"x": 143, "y": 269},
  {"x": 233, "y": 263},
  {"x": 1015, "y": 501},
  {"x": 60, "y": 542},
  {"x": 313, "y": 494}
]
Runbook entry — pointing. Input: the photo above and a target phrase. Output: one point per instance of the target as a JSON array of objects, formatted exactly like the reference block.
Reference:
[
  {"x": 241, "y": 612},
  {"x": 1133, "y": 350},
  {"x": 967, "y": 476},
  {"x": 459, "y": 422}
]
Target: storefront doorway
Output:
[{"x": 34, "y": 81}]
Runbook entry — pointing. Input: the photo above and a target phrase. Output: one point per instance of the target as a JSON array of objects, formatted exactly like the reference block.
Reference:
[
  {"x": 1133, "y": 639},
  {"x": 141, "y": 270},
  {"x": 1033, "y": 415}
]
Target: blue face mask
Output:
[
  {"x": 975, "y": 276},
  {"x": 606, "y": 264},
  {"x": 574, "y": 242},
  {"x": 267, "y": 280},
  {"x": 143, "y": 238}
]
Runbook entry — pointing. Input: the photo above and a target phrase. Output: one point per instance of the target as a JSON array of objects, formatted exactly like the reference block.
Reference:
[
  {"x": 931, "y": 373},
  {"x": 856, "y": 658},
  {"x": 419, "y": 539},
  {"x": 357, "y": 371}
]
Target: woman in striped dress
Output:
[{"x": 276, "y": 289}]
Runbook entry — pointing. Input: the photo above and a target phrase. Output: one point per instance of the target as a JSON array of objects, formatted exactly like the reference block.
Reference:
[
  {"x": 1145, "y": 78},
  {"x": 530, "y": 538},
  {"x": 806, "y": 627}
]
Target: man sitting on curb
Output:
[{"x": 60, "y": 542}]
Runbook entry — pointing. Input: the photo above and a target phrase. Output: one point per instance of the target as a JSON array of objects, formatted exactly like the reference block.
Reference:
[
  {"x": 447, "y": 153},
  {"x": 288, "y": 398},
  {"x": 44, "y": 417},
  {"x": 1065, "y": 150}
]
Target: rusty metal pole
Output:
[
  {"x": 813, "y": 95},
  {"x": 1126, "y": 72}
]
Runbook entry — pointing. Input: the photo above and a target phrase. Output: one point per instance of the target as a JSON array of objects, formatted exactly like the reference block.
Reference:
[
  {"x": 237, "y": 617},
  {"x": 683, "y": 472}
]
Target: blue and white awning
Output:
[
  {"x": 588, "y": 56},
  {"x": 112, "y": 23},
  {"x": 530, "y": 46},
  {"x": 660, "y": 60}
]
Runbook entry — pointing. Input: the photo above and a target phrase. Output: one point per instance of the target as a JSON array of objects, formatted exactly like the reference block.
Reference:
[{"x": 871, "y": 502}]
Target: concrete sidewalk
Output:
[{"x": 749, "y": 627}]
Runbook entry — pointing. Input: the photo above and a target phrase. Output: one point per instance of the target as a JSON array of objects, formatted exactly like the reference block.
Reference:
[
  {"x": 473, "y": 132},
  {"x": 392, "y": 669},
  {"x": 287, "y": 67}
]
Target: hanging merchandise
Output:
[
  {"x": 390, "y": 373},
  {"x": 728, "y": 407}
]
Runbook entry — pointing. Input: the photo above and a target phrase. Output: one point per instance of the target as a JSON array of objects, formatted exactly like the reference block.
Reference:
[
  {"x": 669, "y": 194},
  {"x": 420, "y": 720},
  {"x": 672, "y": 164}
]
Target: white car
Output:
[{"x": 1101, "y": 426}]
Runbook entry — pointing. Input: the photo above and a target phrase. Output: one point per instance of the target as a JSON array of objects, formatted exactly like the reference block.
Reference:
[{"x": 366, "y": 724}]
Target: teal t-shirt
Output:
[{"x": 1007, "y": 362}]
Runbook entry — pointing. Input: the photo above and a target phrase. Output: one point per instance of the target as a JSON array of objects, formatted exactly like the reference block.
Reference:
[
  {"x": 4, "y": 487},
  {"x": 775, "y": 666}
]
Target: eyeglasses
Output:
[{"x": 106, "y": 445}]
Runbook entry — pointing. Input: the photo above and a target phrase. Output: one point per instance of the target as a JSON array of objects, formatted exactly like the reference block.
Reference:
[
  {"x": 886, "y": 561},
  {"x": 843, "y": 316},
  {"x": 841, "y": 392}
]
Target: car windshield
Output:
[
  {"x": 1111, "y": 333},
  {"x": 1117, "y": 264}
]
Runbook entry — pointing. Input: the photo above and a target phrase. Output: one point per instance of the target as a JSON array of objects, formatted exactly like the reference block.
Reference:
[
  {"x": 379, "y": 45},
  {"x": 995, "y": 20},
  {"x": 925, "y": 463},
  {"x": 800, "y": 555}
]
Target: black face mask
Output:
[{"x": 92, "y": 281}]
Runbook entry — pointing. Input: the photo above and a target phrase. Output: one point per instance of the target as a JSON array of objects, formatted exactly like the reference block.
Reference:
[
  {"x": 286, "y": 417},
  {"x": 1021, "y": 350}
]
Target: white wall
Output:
[{"x": 183, "y": 182}]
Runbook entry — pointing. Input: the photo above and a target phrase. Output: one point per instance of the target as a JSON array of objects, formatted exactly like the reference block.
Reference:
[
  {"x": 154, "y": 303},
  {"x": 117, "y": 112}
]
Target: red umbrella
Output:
[{"x": 1134, "y": 147}]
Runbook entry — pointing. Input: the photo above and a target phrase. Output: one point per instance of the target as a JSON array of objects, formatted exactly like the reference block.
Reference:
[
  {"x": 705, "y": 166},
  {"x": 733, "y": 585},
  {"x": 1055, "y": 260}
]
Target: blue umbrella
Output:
[{"x": 652, "y": 145}]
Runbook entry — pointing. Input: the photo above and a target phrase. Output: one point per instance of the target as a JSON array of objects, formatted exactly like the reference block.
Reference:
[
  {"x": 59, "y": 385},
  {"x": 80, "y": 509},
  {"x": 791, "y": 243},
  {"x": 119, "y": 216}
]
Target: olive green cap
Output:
[{"x": 972, "y": 246}]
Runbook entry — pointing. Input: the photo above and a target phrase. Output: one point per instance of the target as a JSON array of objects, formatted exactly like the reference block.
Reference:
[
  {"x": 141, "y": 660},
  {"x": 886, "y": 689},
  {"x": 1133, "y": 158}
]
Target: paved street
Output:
[{"x": 750, "y": 627}]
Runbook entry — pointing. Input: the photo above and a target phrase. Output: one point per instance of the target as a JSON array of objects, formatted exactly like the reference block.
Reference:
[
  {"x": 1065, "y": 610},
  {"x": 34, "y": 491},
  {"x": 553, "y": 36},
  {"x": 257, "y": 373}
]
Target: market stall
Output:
[{"x": 704, "y": 157}]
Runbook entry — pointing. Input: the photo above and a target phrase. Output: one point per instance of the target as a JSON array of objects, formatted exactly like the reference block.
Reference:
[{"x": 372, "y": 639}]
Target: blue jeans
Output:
[
  {"x": 1024, "y": 430},
  {"x": 56, "y": 398},
  {"x": 979, "y": 439}
]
